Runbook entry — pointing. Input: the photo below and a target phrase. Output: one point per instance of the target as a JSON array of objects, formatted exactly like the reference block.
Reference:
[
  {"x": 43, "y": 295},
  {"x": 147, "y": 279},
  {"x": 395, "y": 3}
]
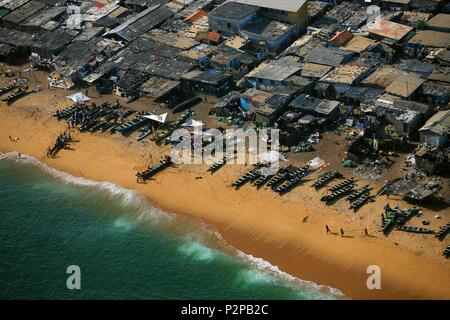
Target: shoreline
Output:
[
  {"x": 207, "y": 234},
  {"x": 258, "y": 223}
]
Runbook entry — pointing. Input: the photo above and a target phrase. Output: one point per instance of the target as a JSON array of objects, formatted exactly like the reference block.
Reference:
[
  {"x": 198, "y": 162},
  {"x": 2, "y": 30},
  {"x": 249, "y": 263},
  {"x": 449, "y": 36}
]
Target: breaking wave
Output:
[{"x": 195, "y": 235}]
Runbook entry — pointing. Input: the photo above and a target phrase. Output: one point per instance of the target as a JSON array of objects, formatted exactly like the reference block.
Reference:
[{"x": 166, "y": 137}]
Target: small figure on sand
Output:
[
  {"x": 327, "y": 229},
  {"x": 10, "y": 139},
  {"x": 20, "y": 155},
  {"x": 366, "y": 232},
  {"x": 342, "y": 232}
]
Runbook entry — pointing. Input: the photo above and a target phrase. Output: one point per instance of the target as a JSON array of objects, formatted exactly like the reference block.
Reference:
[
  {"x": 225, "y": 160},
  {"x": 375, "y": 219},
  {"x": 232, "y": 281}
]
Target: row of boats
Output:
[{"x": 397, "y": 217}]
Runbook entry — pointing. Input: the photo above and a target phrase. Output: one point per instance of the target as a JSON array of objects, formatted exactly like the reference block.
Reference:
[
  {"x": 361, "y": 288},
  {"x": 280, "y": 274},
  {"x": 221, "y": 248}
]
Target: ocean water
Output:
[{"x": 125, "y": 248}]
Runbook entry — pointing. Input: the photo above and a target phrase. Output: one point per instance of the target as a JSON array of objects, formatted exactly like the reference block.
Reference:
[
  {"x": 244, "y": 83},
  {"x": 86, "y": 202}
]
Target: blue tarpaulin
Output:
[{"x": 245, "y": 105}]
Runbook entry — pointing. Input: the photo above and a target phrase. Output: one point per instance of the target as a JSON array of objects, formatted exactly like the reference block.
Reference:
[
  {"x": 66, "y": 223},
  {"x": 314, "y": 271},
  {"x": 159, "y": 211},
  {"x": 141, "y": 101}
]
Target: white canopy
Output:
[
  {"x": 78, "y": 97},
  {"x": 159, "y": 118}
]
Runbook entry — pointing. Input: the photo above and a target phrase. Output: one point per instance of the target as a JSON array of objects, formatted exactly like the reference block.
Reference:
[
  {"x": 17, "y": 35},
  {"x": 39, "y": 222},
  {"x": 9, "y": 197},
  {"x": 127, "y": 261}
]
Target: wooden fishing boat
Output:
[
  {"x": 388, "y": 222},
  {"x": 357, "y": 193},
  {"x": 338, "y": 193},
  {"x": 66, "y": 112},
  {"x": 276, "y": 180},
  {"x": 404, "y": 215},
  {"x": 145, "y": 133},
  {"x": 294, "y": 181},
  {"x": 264, "y": 178},
  {"x": 132, "y": 125},
  {"x": 361, "y": 201},
  {"x": 446, "y": 252},
  {"x": 249, "y": 176},
  {"x": 151, "y": 171},
  {"x": 325, "y": 178},
  {"x": 133, "y": 97},
  {"x": 416, "y": 229},
  {"x": 8, "y": 88},
  {"x": 443, "y": 231},
  {"x": 219, "y": 164},
  {"x": 343, "y": 184},
  {"x": 187, "y": 104},
  {"x": 13, "y": 96}
]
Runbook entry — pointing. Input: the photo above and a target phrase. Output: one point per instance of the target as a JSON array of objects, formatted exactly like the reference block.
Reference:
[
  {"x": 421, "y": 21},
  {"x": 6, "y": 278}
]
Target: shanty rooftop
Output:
[
  {"x": 440, "y": 74},
  {"x": 234, "y": 10},
  {"x": 313, "y": 70},
  {"x": 12, "y": 4},
  {"x": 273, "y": 72},
  {"x": 441, "y": 21},
  {"x": 405, "y": 85},
  {"x": 439, "y": 123},
  {"x": 24, "y": 12},
  {"x": 382, "y": 77},
  {"x": 267, "y": 29},
  {"x": 431, "y": 38},
  {"x": 327, "y": 56},
  {"x": 358, "y": 44},
  {"x": 284, "y": 5},
  {"x": 390, "y": 30},
  {"x": 346, "y": 74}
]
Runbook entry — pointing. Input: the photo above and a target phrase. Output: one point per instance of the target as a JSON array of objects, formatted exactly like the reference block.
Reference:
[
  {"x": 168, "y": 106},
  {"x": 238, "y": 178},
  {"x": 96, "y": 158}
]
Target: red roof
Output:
[{"x": 196, "y": 15}]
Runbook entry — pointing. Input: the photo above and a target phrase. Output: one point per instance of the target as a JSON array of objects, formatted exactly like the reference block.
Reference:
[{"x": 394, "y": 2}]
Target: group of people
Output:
[
  {"x": 61, "y": 142},
  {"x": 342, "y": 233}
]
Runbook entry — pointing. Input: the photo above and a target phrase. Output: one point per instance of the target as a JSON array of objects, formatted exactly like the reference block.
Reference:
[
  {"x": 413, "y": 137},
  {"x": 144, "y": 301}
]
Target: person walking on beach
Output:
[
  {"x": 10, "y": 139},
  {"x": 342, "y": 232},
  {"x": 366, "y": 232},
  {"x": 327, "y": 228}
]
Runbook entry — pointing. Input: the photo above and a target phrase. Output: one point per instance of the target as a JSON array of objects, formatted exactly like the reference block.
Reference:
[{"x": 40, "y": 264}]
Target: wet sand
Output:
[{"x": 257, "y": 222}]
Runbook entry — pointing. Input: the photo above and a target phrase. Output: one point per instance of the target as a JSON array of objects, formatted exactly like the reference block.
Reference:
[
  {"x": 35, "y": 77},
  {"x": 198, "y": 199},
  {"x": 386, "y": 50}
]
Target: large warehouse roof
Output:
[{"x": 283, "y": 5}]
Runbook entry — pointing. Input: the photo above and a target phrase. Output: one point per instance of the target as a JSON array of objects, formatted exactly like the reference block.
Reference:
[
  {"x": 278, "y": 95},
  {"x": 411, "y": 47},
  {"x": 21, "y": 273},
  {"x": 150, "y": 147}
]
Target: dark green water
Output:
[{"x": 124, "y": 248}]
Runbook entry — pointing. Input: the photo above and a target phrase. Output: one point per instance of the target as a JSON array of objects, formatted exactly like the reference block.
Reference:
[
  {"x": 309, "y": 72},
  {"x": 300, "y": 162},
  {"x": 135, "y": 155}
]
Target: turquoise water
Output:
[{"x": 124, "y": 248}]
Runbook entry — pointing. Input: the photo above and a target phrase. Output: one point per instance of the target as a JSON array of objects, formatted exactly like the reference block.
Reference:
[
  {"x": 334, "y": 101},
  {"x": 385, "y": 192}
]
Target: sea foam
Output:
[{"x": 264, "y": 271}]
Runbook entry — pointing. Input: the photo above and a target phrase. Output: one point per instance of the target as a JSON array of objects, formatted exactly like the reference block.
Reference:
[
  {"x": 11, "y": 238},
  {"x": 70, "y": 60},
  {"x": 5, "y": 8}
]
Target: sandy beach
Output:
[{"x": 287, "y": 231}]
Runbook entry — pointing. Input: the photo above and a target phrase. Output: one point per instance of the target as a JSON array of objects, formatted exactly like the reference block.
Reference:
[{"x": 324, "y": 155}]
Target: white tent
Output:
[
  {"x": 159, "y": 118},
  {"x": 78, "y": 97}
]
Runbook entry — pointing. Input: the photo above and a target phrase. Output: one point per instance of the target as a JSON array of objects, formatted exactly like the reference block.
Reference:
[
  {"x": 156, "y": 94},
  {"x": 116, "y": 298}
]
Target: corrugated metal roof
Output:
[
  {"x": 431, "y": 38},
  {"x": 405, "y": 85},
  {"x": 283, "y": 5},
  {"x": 389, "y": 29},
  {"x": 441, "y": 20},
  {"x": 272, "y": 72},
  {"x": 439, "y": 123}
]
